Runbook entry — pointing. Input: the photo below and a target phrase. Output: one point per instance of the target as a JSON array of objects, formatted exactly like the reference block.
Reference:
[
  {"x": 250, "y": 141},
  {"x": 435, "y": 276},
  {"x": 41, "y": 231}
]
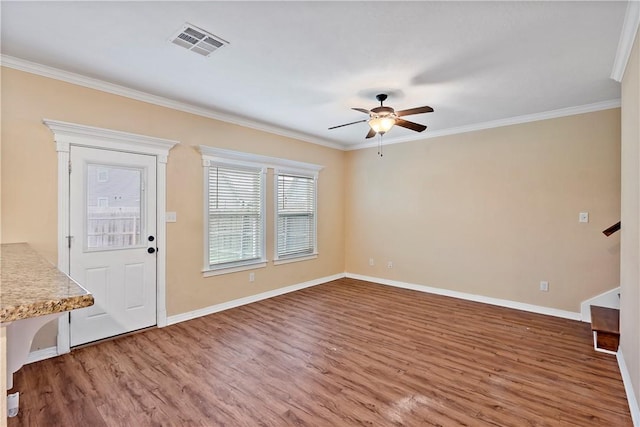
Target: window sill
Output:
[
  {"x": 294, "y": 259},
  {"x": 221, "y": 271}
]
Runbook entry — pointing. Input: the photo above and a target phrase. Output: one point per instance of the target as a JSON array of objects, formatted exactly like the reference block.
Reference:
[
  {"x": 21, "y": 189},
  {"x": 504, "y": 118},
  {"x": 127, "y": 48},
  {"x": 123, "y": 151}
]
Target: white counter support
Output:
[{"x": 20, "y": 334}]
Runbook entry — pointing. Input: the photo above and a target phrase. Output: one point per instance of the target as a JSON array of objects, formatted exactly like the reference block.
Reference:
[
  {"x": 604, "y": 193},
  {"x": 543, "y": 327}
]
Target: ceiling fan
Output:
[{"x": 382, "y": 119}]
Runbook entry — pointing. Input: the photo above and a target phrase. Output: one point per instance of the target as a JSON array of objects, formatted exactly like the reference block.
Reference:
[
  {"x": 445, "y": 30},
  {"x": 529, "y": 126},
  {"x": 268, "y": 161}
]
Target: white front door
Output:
[{"x": 112, "y": 223}]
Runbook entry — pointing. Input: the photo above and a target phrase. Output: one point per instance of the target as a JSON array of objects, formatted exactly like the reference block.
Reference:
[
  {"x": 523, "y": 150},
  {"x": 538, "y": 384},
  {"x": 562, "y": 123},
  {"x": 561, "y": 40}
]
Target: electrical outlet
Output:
[
  {"x": 252, "y": 277},
  {"x": 390, "y": 264},
  {"x": 371, "y": 262},
  {"x": 544, "y": 286}
]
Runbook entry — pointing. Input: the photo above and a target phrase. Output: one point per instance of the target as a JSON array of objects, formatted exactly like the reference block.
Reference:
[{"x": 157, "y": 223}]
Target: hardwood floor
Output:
[{"x": 346, "y": 353}]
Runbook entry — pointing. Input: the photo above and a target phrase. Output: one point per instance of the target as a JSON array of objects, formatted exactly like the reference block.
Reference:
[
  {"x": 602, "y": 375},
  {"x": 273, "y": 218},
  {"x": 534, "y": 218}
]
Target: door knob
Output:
[{"x": 151, "y": 250}]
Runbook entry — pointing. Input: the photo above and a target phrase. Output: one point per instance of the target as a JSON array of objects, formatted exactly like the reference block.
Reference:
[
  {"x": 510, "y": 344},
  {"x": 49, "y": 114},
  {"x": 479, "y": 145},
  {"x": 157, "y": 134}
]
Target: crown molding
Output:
[
  {"x": 627, "y": 37},
  {"x": 89, "y": 82},
  {"x": 563, "y": 112},
  {"x": 77, "y": 79}
]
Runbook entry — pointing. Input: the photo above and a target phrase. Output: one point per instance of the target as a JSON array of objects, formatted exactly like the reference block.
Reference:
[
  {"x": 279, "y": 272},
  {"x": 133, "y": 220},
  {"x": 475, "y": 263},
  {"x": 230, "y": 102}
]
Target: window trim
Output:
[
  {"x": 297, "y": 258},
  {"x": 214, "y": 155},
  {"x": 305, "y": 173},
  {"x": 254, "y": 160}
]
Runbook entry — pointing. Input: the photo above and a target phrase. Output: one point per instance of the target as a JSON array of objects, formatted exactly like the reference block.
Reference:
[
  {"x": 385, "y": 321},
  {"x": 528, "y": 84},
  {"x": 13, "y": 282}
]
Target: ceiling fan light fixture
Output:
[
  {"x": 382, "y": 124},
  {"x": 381, "y": 119}
]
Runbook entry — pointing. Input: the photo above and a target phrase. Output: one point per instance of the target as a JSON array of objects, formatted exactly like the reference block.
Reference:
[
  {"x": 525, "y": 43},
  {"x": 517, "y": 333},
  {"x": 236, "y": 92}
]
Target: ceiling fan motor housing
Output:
[{"x": 382, "y": 111}]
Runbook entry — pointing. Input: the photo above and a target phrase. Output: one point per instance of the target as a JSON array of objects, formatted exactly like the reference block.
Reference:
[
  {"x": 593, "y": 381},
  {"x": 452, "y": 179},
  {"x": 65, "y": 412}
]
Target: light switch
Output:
[
  {"x": 583, "y": 217},
  {"x": 171, "y": 217}
]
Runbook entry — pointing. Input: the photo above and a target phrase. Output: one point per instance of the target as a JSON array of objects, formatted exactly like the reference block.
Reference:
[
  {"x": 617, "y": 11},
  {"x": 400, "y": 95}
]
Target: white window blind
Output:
[
  {"x": 235, "y": 216},
  {"x": 295, "y": 215}
]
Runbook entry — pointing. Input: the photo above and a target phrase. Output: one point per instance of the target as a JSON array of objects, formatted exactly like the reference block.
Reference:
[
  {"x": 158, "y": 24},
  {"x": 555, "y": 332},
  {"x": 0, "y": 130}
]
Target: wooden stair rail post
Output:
[{"x": 609, "y": 231}]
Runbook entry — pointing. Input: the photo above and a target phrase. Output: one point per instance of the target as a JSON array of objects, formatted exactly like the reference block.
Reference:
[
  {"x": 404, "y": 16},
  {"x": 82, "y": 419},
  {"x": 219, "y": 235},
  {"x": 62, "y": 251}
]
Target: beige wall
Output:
[
  {"x": 630, "y": 239},
  {"x": 492, "y": 212},
  {"x": 29, "y": 191}
]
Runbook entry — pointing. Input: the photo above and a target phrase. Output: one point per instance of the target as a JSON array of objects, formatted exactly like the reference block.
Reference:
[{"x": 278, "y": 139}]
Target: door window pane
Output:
[{"x": 114, "y": 200}]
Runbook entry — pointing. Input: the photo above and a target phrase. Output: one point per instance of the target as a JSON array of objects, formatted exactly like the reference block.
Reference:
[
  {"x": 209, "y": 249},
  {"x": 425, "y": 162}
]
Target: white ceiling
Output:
[{"x": 298, "y": 67}]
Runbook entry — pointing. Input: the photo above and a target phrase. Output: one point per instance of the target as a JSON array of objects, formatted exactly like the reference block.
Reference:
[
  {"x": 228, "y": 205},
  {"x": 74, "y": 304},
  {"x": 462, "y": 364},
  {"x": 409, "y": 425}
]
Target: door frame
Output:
[{"x": 70, "y": 134}]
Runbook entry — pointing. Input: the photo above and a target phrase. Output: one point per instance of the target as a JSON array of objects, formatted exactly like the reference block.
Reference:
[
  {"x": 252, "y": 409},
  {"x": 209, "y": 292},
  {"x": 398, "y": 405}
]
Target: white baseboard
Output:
[
  {"x": 248, "y": 300},
  {"x": 471, "y": 297},
  {"x": 609, "y": 299},
  {"x": 42, "y": 354},
  {"x": 628, "y": 388}
]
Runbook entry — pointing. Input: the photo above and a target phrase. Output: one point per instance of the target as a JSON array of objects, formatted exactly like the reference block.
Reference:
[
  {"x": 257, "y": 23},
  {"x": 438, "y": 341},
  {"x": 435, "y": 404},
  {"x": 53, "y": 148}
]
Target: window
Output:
[
  {"x": 295, "y": 215},
  {"x": 235, "y": 210},
  {"x": 234, "y": 216}
]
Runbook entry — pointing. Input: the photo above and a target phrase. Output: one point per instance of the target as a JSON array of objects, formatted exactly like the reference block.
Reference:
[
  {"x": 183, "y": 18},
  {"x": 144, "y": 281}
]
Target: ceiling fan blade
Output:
[
  {"x": 362, "y": 110},
  {"x": 410, "y": 125},
  {"x": 371, "y": 134},
  {"x": 347, "y": 124},
  {"x": 417, "y": 110}
]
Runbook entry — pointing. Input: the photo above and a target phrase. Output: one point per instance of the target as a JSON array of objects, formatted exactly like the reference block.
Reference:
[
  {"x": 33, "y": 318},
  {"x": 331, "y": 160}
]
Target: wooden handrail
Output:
[{"x": 609, "y": 231}]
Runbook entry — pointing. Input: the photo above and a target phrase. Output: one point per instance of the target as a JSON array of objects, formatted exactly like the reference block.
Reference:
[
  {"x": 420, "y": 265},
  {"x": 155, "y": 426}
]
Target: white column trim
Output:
[
  {"x": 68, "y": 134},
  {"x": 161, "y": 232},
  {"x": 63, "y": 339}
]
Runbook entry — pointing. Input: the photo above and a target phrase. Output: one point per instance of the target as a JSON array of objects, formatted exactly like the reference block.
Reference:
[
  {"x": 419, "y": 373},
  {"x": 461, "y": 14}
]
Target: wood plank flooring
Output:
[{"x": 346, "y": 353}]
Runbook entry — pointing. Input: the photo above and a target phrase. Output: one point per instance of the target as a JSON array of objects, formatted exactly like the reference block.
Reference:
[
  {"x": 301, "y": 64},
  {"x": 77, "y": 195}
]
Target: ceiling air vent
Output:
[{"x": 197, "y": 40}]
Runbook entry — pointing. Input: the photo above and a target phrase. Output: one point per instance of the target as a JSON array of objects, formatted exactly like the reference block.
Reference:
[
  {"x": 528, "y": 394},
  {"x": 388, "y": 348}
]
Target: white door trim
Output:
[{"x": 68, "y": 134}]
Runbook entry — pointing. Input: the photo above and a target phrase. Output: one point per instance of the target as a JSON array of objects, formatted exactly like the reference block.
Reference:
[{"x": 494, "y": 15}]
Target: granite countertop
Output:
[{"x": 31, "y": 286}]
